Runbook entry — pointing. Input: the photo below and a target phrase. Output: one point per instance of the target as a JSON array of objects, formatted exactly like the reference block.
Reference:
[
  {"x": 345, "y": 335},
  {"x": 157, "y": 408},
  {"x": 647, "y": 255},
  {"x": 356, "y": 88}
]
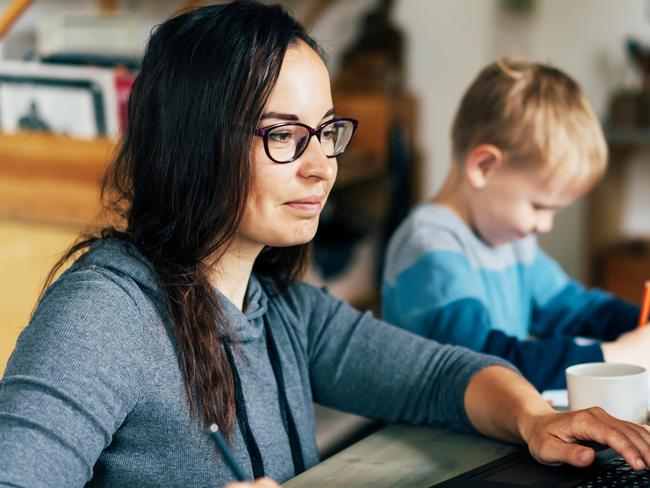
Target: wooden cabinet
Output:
[
  {"x": 623, "y": 269},
  {"x": 619, "y": 262}
]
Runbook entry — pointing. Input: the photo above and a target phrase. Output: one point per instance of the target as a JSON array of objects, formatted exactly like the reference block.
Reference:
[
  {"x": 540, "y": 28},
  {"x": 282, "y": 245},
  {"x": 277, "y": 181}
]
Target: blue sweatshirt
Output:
[
  {"x": 443, "y": 282},
  {"x": 94, "y": 396}
]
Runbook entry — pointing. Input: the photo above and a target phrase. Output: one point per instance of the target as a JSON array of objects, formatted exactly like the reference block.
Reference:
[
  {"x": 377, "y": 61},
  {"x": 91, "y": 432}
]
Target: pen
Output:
[
  {"x": 226, "y": 453},
  {"x": 645, "y": 305}
]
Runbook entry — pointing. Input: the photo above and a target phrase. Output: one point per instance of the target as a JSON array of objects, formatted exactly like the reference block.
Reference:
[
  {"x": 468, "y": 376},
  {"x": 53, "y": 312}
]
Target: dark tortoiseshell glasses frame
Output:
[{"x": 264, "y": 133}]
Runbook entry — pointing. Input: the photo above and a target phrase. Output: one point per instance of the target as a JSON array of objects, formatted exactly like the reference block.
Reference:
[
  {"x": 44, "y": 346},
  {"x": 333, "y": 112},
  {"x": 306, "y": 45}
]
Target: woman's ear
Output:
[{"x": 481, "y": 163}]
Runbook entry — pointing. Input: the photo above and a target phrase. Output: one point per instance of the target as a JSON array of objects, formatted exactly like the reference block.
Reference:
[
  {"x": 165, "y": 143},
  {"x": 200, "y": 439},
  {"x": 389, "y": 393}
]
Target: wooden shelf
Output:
[
  {"x": 624, "y": 268},
  {"x": 52, "y": 179},
  {"x": 627, "y": 135}
]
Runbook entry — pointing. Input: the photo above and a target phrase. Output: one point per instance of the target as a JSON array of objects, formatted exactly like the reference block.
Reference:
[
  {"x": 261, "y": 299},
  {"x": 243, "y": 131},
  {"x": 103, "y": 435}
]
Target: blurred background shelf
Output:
[{"x": 51, "y": 179}]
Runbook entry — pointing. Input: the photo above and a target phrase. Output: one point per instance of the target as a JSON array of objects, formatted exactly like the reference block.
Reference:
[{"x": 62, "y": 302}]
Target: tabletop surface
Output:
[{"x": 402, "y": 456}]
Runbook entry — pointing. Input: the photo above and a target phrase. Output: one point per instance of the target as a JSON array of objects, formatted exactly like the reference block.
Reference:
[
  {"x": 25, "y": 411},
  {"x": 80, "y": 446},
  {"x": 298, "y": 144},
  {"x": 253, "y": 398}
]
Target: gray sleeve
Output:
[
  {"x": 70, "y": 382},
  {"x": 363, "y": 365}
]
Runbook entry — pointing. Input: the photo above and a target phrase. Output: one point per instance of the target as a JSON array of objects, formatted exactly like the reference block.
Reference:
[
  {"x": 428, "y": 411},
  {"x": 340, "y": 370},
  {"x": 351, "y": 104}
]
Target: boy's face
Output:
[{"x": 515, "y": 203}]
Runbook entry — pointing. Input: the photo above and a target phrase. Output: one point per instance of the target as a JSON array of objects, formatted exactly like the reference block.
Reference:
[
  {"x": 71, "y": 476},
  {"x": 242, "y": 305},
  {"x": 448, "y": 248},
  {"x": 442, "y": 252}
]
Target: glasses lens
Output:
[
  {"x": 287, "y": 142},
  {"x": 335, "y": 136}
]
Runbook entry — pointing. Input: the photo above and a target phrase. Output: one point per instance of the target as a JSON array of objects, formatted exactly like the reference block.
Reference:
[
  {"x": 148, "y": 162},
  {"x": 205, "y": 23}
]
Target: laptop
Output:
[{"x": 520, "y": 469}]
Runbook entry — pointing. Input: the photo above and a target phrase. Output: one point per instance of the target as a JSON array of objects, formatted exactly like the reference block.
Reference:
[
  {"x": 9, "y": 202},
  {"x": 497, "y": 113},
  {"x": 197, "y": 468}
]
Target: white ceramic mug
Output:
[{"x": 620, "y": 389}]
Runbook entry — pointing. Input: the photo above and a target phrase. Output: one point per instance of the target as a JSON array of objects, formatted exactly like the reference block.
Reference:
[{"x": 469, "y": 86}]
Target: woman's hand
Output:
[
  {"x": 552, "y": 437},
  {"x": 502, "y": 404},
  {"x": 258, "y": 483}
]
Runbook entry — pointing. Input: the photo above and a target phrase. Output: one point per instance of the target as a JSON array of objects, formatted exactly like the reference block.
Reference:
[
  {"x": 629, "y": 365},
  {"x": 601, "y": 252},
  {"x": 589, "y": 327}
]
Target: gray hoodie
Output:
[{"x": 94, "y": 393}]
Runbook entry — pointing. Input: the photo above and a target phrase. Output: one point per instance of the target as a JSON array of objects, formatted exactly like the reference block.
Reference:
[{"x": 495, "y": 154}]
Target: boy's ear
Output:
[{"x": 481, "y": 163}]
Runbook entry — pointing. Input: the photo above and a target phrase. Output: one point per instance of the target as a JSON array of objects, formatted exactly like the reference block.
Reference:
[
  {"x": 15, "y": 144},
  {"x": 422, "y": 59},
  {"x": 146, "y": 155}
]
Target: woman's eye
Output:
[
  {"x": 327, "y": 133},
  {"x": 280, "y": 136}
]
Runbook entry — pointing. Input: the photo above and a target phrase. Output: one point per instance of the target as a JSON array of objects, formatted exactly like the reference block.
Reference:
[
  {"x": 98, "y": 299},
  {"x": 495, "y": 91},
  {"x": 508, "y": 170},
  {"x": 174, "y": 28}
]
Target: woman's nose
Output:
[{"x": 314, "y": 163}]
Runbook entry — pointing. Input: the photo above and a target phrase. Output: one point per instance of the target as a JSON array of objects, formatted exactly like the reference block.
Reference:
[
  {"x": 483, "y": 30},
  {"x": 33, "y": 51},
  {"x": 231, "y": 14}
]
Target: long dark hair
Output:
[{"x": 182, "y": 174}]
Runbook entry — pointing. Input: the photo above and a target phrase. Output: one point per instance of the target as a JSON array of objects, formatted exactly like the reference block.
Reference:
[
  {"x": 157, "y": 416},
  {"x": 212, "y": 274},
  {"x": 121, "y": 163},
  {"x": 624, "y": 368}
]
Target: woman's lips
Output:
[{"x": 307, "y": 206}]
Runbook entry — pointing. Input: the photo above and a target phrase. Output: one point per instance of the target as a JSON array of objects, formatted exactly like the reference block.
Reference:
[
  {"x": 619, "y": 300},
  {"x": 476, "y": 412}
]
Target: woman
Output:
[{"x": 188, "y": 314}]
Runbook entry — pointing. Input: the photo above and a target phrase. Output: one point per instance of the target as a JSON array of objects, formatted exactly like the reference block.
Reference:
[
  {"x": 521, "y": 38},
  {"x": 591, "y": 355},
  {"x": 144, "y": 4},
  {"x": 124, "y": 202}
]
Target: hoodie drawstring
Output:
[{"x": 288, "y": 420}]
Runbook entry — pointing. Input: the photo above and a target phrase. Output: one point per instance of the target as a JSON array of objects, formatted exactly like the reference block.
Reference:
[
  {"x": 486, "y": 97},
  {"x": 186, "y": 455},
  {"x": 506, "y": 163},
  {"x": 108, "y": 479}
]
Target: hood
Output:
[{"x": 124, "y": 259}]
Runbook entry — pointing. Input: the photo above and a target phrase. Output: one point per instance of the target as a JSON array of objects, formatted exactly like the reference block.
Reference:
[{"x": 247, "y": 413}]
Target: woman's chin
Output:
[{"x": 293, "y": 240}]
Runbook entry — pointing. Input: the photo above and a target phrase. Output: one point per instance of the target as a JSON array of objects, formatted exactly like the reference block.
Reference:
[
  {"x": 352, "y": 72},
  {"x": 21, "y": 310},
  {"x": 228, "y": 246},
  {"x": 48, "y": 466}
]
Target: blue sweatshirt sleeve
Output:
[
  {"x": 541, "y": 361},
  {"x": 563, "y": 307}
]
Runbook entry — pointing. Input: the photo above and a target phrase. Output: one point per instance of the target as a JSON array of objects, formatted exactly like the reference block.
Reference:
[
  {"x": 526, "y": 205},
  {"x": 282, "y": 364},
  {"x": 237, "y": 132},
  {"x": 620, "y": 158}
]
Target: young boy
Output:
[{"x": 466, "y": 268}]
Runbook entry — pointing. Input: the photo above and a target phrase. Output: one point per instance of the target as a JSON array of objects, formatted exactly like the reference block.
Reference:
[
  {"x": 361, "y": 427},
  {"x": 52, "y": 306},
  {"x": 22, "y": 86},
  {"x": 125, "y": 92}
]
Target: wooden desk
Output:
[{"x": 402, "y": 456}]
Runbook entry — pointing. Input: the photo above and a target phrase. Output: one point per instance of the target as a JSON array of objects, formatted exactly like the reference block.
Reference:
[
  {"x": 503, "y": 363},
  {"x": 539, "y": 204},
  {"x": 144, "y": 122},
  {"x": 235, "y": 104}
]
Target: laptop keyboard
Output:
[{"x": 617, "y": 473}]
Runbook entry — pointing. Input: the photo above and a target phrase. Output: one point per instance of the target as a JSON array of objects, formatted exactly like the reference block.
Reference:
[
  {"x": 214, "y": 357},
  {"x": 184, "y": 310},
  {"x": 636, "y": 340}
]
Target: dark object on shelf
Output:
[
  {"x": 624, "y": 109},
  {"x": 640, "y": 55},
  {"x": 631, "y": 108},
  {"x": 131, "y": 63},
  {"x": 32, "y": 120}
]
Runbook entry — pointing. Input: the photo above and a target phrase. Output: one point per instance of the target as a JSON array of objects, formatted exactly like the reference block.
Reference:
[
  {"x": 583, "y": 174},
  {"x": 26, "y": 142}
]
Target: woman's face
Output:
[{"x": 286, "y": 200}]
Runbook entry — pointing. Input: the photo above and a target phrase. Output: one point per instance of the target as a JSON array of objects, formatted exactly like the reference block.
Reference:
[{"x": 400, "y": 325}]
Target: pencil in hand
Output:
[
  {"x": 226, "y": 453},
  {"x": 645, "y": 305}
]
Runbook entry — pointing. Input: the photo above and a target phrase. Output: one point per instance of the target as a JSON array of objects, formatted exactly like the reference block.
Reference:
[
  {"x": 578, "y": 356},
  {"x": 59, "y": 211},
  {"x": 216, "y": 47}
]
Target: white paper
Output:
[
  {"x": 560, "y": 398},
  {"x": 557, "y": 398}
]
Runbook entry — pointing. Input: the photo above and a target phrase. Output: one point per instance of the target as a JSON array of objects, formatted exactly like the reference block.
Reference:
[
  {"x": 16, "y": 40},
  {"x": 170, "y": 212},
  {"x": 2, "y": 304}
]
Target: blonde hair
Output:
[{"x": 536, "y": 115}]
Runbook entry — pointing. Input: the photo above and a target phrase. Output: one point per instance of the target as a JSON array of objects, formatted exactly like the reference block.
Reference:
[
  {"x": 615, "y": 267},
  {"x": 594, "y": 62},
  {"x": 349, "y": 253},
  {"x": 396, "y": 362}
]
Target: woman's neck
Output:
[{"x": 230, "y": 275}]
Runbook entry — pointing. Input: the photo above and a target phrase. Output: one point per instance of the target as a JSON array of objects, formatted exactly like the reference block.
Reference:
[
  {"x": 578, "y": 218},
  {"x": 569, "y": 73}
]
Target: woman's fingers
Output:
[
  {"x": 555, "y": 440},
  {"x": 554, "y": 451},
  {"x": 630, "y": 440}
]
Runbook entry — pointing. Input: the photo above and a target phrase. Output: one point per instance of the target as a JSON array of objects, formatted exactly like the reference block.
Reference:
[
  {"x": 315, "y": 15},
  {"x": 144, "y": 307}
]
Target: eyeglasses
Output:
[{"x": 285, "y": 142}]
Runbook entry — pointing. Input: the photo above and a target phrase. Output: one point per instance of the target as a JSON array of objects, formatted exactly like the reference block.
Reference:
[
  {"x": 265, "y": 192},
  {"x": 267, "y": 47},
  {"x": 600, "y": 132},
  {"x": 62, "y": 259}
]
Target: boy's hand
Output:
[
  {"x": 552, "y": 437},
  {"x": 631, "y": 347},
  {"x": 258, "y": 483}
]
